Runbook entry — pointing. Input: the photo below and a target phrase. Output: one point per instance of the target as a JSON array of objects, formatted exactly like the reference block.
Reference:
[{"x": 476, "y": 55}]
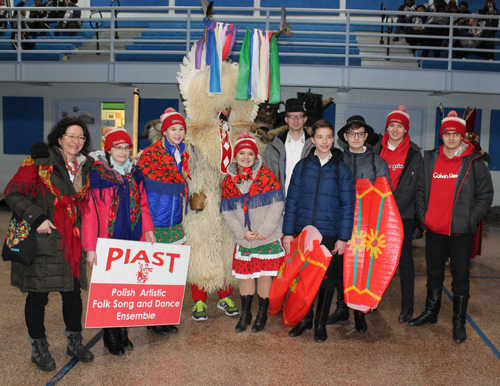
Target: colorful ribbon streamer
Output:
[
  {"x": 259, "y": 68},
  {"x": 259, "y": 73}
]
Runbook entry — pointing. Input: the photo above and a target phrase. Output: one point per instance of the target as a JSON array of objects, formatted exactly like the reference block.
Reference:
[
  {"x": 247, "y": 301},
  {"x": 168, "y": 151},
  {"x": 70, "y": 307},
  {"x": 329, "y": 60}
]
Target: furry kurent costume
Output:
[{"x": 212, "y": 119}]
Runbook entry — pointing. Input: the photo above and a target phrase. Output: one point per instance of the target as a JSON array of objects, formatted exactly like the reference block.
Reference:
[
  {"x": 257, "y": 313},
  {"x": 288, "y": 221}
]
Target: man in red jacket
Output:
[{"x": 454, "y": 193}]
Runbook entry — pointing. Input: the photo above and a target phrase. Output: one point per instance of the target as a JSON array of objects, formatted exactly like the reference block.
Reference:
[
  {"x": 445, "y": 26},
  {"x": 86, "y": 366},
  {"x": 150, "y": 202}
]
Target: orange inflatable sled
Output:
[
  {"x": 373, "y": 252},
  {"x": 305, "y": 286},
  {"x": 290, "y": 266}
]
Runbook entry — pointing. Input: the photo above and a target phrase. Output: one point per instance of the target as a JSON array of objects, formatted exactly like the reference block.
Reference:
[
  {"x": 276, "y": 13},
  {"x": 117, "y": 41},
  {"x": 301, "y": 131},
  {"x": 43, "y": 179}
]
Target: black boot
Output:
[
  {"x": 459, "y": 317},
  {"x": 160, "y": 330},
  {"x": 405, "y": 315},
  {"x": 171, "y": 328},
  {"x": 261, "y": 318},
  {"x": 124, "y": 340},
  {"x": 342, "y": 311},
  {"x": 360, "y": 322},
  {"x": 432, "y": 307},
  {"x": 304, "y": 324},
  {"x": 324, "y": 302},
  {"x": 246, "y": 313},
  {"x": 76, "y": 348},
  {"x": 40, "y": 355},
  {"x": 112, "y": 341}
]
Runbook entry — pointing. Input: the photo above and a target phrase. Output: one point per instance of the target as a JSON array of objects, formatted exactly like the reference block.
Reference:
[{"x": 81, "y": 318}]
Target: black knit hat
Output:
[
  {"x": 355, "y": 119},
  {"x": 294, "y": 106}
]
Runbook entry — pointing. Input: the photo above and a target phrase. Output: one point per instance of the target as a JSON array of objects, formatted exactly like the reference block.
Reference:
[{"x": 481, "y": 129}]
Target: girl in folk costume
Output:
[
  {"x": 47, "y": 192},
  {"x": 119, "y": 206},
  {"x": 252, "y": 205},
  {"x": 165, "y": 167}
]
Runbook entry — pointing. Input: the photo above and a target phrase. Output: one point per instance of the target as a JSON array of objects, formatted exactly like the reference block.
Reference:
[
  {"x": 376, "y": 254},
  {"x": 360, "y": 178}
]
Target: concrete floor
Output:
[{"x": 211, "y": 353}]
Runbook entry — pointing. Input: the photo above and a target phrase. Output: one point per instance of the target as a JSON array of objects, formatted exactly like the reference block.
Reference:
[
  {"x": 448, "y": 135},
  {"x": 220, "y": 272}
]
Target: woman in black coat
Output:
[{"x": 47, "y": 192}]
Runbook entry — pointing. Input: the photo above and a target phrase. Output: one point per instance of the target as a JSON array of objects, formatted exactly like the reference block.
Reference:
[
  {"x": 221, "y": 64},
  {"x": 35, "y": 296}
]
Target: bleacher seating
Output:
[
  {"x": 312, "y": 42},
  {"x": 49, "y": 42},
  {"x": 174, "y": 40},
  {"x": 462, "y": 64},
  {"x": 33, "y": 55}
]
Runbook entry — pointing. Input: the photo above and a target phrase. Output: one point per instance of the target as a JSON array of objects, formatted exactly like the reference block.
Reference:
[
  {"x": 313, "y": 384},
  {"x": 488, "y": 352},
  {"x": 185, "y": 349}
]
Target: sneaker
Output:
[
  {"x": 228, "y": 306},
  {"x": 199, "y": 311}
]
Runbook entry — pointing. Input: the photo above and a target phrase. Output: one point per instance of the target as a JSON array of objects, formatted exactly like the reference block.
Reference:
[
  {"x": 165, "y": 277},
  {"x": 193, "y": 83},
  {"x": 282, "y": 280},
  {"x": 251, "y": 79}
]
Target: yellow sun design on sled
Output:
[
  {"x": 357, "y": 241},
  {"x": 282, "y": 267},
  {"x": 375, "y": 244}
]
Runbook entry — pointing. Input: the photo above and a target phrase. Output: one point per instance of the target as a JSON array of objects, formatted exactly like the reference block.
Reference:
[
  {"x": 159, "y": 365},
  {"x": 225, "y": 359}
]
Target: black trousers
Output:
[
  {"x": 335, "y": 271},
  {"x": 34, "y": 311},
  {"x": 487, "y": 45},
  {"x": 433, "y": 42},
  {"x": 406, "y": 266},
  {"x": 459, "y": 247},
  {"x": 413, "y": 39}
]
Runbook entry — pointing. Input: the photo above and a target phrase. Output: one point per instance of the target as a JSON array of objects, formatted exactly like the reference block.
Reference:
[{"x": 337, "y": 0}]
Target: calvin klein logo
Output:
[{"x": 440, "y": 175}]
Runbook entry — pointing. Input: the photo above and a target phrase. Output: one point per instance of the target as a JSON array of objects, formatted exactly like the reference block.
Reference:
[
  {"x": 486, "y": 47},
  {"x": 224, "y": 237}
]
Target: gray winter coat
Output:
[
  {"x": 366, "y": 165},
  {"x": 404, "y": 194},
  {"x": 473, "y": 192},
  {"x": 49, "y": 272},
  {"x": 274, "y": 154}
]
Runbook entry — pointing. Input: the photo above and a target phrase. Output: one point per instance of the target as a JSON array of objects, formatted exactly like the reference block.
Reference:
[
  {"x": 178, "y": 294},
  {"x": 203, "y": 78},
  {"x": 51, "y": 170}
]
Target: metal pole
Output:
[
  {"x": 97, "y": 26},
  {"x": 188, "y": 31},
  {"x": 135, "y": 122},
  {"x": 389, "y": 30},
  {"x": 18, "y": 37},
  {"x": 450, "y": 43},
  {"x": 116, "y": 25},
  {"x": 112, "y": 39},
  {"x": 348, "y": 37},
  {"x": 382, "y": 8},
  {"x": 116, "y": 17}
]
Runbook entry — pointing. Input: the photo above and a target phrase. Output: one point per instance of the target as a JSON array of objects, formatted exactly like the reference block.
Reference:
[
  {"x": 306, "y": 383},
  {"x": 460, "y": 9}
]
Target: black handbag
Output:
[{"x": 20, "y": 242}]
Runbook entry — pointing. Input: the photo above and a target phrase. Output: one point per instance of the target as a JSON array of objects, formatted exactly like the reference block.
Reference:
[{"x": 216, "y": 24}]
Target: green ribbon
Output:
[
  {"x": 274, "y": 61},
  {"x": 244, "y": 69}
]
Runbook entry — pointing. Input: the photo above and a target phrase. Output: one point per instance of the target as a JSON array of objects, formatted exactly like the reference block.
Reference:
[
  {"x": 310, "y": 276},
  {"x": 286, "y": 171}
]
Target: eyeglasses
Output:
[
  {"x": 294, "y": 117},
  {"x": 75, "y": 138},
  {"x": 125, "y": 149},
  {"x": 451, "y": 134},
  {"x": 356, "y": 135}
]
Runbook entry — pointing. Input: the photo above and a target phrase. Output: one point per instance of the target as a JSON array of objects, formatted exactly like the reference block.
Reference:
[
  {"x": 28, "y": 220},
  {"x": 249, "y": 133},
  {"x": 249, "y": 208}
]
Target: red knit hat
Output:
[
  {"x": 114, "y": 137},
  {"x": 170, "y": 118},
  {"x": 453, "y": 123},
  {"x": 245, "y": 141},
  {"x": 399, "y": 116}
]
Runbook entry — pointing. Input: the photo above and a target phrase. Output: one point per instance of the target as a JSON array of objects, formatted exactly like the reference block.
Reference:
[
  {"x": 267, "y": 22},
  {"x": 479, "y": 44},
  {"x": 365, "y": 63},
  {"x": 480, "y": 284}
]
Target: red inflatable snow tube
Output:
[{"x": 290, "y": 265}]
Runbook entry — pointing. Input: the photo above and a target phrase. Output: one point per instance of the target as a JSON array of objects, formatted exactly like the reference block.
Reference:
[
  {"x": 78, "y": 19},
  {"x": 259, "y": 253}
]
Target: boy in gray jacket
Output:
[{"x": 359, "y": 156}]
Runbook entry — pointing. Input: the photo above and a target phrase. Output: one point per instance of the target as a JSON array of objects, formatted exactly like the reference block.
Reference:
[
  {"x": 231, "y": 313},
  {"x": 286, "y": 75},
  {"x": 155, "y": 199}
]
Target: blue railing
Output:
[{"x": 320, "y": 36}]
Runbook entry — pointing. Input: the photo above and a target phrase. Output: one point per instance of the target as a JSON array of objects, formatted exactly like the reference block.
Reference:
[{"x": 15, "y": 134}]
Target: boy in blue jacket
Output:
[{"x": 322, "y": 194}]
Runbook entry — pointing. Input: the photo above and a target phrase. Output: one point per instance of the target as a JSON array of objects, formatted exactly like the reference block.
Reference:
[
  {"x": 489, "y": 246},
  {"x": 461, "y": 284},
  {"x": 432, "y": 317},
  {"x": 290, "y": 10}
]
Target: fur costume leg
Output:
[{"x": 211, "y": 241}]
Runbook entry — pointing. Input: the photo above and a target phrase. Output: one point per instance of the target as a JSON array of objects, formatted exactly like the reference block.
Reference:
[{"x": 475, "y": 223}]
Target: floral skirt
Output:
[
  {"x": 251, "y": 263},
  {"x": 170, "y": 235}
]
